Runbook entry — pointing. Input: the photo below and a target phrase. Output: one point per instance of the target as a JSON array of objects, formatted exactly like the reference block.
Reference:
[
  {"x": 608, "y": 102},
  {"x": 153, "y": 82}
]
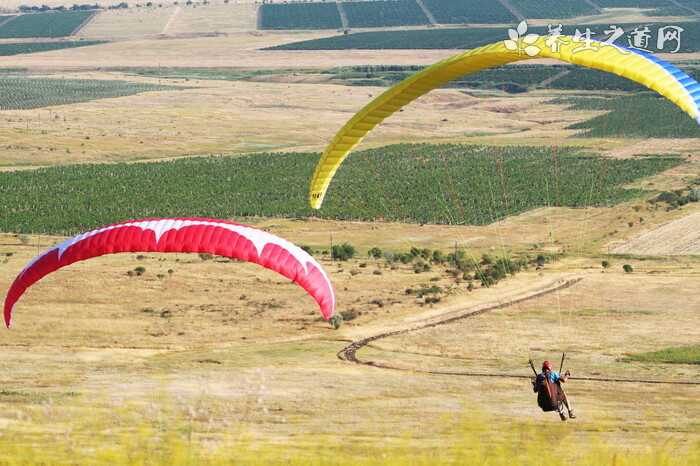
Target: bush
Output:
[
  {"x": 627, "y": 268},
  {"x": 140, "y": 270},
  {"x": 541, "y": 260},
  {"x": 349, "y": 315},
  {"x": 668, "y": 197},
  {"x": 375, "y": 253},
  {"x": 377, "y": 302},
  {"x": 405, "y": 258},
  {"x": 377, "y": 272},
  {"x": 343, "y": 252},
  {"x": 307, "y": 249},
  {"x": 605, "y": 264},
  {"x": 438, "y": 257},
  {"x": 336, "y": 321},
  {"x": 205, "y": 256}
]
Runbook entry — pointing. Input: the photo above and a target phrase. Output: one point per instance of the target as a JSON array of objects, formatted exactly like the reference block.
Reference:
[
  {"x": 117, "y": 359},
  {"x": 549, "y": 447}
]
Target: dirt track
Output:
[{"x": 349, "y": 353}]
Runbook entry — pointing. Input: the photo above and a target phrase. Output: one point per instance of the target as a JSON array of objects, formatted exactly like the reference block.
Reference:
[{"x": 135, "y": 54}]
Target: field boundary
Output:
[
  {"x": 84, "y": 24},
  {"x": 7, "y": 20},
  {"x": 349, "y": 353}
]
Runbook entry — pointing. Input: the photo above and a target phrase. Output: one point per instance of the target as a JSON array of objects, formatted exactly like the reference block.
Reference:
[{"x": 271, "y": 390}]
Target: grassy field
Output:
[
  {"x": 149, "y": 367},
  {"x": 447, "y": 184},
  {"x": 676, "y": 355},
  {"x": 203, "y": 360}
]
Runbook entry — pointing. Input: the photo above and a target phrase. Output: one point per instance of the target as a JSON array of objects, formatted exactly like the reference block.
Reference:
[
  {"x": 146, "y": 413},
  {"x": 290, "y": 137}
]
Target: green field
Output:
[
  {"x": 35, "y": 47},
  {"x": 470, "y": 11},
  {"x": 531, "y": 9},
  {"x": 681, "y": 355},
  {"x": 384, "y": 13},
  {"x": 414, "y": 183},
  {"x": 54, "y": 24},
  {"x": 299, "y": 16},
  {"x": 638, "y": 116},
  {"x": 466, "y": 38},
  {"x": 21, "y": 93},
  {"x": 512, "y": 79},
  {"x": 655, "y": 7}
]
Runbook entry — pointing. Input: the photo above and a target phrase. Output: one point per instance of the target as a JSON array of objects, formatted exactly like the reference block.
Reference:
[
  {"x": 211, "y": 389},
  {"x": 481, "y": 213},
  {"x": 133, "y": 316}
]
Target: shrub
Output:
[
  {"x": 605, "y": 264},
  {"x": 375, "y": 253},
  {"x": 140, "y": 270},
  {"x": 350, "y": 314},
  {"x": 541, "y": 260},
  {"x": 307, "y": 249},
  {"x": 627, "y": 268},
  {"x": 205, "y": 256},
  {"x": 377, "y": 302},
  {"x": 377, "y": 272},
  {"x": 668, "y": 197},
  {"x": 343, "y": 252},
  {"x": 336, "y": 321},
  {"x": 438, "y": 257}
]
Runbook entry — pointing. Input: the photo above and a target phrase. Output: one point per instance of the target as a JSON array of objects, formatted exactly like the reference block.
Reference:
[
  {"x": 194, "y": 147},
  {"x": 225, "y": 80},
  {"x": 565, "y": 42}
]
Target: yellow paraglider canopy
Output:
[{"x": 637, "y": 66}]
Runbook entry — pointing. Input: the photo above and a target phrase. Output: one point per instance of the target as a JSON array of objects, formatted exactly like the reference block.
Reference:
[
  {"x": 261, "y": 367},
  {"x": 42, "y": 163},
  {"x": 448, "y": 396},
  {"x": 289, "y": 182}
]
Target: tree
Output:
[{"x": 627, "y": 268}]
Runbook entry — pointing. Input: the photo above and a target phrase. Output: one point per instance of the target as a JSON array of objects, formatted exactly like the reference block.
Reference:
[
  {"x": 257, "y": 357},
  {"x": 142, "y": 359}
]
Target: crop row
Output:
[
  {"x": 34, "y": 47},
  {"x": 299, "y": 16},
  {"x": 532, "y": 9},
  {"x": 467, "y": 38},
  {"x": 640, "y": 116},
  {"x": 468, "y": 11},
  {"x": 384, "y": 13},
  {"x": 21, "y": 93},
  {"x": 415, "y": 183},
  {"x": 54, "y": 24}
]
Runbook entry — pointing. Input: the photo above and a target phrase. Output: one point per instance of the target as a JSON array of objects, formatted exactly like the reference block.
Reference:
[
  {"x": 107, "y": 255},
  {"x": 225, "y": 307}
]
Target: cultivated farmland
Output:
[
  {"x": 467, "y": 38},
  {"x": 533, "y": 9},
  {"x": 299, "y": 16},
  {"x": 468, "y": 11},
  {"x": 641, "y": 116},
  {"x": 35, "y": 47},
  {"x": 21, "y": 93},
  {"x": 416, "y": 183},
  {"x": 55, "y": 24},
  {"x": 384, "y": 13}
]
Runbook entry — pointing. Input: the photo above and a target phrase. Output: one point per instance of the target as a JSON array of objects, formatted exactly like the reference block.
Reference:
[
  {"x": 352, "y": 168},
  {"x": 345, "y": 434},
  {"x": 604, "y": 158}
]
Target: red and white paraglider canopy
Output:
[{"x": 197, "y": 235}]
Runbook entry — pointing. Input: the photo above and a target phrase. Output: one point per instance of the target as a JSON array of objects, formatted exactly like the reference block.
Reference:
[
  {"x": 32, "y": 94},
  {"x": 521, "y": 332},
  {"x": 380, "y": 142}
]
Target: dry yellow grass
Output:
[
  {"x": 678, "y": 237},
  {"x": 89, "y": 341},
  {"x": 235, "y": 117}
]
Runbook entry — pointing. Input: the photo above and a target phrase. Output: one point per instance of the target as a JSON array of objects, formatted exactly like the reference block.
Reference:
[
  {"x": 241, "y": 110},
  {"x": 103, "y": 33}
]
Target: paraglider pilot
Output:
[{"x": 550, "y": 393}]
